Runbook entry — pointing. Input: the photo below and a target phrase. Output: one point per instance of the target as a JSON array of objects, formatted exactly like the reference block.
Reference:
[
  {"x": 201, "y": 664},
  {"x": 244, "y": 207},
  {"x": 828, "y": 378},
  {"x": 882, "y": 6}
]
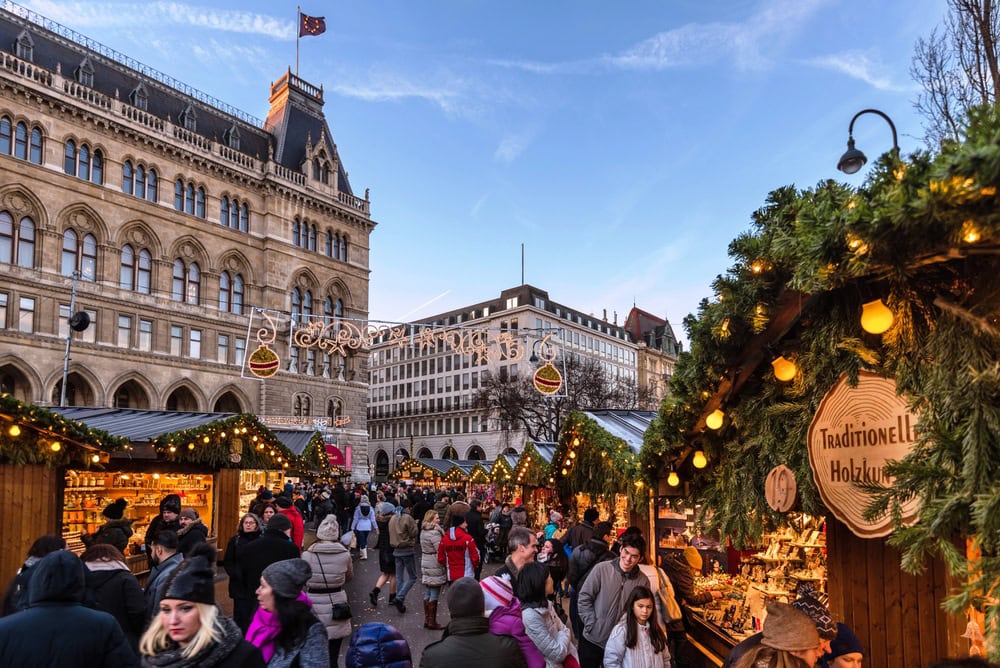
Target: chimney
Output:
[
  {"x": 616, "y": 318},
  {"x": 605, "y": 315}
]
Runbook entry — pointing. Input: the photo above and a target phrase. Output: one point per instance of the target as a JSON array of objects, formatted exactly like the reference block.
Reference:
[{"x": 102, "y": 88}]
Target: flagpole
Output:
[{"x": 298, "y": 34}]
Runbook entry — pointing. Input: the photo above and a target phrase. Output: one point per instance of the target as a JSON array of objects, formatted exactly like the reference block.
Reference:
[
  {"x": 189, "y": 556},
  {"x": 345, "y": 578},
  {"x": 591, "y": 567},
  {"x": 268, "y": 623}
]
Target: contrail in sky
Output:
[{"x": 427, "y": 303}]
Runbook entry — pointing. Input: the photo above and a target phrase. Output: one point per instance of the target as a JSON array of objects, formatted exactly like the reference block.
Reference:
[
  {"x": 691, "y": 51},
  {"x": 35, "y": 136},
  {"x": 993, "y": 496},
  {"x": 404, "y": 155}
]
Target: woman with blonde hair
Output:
[
  {"x": 188, "y": 629},
  {"x": 432, "y": 573}
]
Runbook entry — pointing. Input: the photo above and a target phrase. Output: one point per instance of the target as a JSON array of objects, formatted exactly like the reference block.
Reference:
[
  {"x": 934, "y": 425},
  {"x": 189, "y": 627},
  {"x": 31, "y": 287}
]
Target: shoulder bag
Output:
[{"x": 667, "y": 597}]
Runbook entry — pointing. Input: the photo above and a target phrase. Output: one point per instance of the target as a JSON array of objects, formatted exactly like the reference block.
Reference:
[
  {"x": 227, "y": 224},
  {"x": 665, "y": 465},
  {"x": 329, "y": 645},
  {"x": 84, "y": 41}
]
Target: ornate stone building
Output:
[
  {"x": 169, "y": 218},
  {"x": 658, "y": 352}
]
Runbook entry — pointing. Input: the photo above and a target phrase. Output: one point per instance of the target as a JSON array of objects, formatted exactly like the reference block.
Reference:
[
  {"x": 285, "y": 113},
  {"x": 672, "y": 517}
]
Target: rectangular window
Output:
[
  {"x": 512, "y": 302},
  {"x": 194, "y": 341},
  {"x": 3, "y": 310},
  {"x": 26, "y": 315},
  {"x": 124, "y": 331},
  {"x": 475, "y": 380},
  {"x": 222, "y": 354},
  {"x": 475, "y": 423},
  {"x": 89, "y": 335},
  {"x": 146, "y": 335},
  {"x": 240, "y": 350},
  {"x": 176, "y": 340}
]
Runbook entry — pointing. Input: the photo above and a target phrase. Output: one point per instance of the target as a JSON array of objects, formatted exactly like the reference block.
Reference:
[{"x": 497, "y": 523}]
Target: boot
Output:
[
  {"x": 364, "y": 553},
  {"x": 430, "y": 615},
  {"x": 392, "y": 598},
  {"x": 398, "y": 602},
  {"x": 373, "y": 597}
]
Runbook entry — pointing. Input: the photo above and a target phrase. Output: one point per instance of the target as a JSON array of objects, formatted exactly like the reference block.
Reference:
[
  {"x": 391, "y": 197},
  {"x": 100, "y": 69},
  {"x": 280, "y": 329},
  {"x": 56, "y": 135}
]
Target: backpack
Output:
[{"x": 365, "y": 510}]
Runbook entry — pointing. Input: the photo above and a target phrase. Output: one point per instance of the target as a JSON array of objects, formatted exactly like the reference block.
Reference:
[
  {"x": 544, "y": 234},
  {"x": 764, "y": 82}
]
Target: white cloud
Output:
[
  {"x": 859, "y": 65},
  {"x": 511, "y": 147},
  {"x": 450, "y": 95},
  {"x": 162, "y": 15}
]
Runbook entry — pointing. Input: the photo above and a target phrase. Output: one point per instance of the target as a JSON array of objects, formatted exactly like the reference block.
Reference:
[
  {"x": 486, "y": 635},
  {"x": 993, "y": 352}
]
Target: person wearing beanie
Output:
[
  {"x": 332, "y": 568},
  {"x": 274, "y": 544},
  {"x": 467, "y": 639},
  {"x": 167, "y": 520},
  {"x": 846, "y": 650},
  {"x": 189, "y": 630},
  {"x": 378, "y": 645},
  {"x": 789, "y": 638},
  {"x": 681, "y": 569},
  {"x": 584, "y": 531},
  {"x": 497, "y": 592},
  {"x": 285, "y": 628},
  {"x": 192, "y": 532},
  {"x": 286, "y": 508},
  {"x": 249, "y": 530},
  {"x": 808, "y": 603},
  {"x": 57, "y": 629},
  {"x": 553, "y": 526},
  {"x": 581, "y": 560},
  {"x": 116, "y": 531}
]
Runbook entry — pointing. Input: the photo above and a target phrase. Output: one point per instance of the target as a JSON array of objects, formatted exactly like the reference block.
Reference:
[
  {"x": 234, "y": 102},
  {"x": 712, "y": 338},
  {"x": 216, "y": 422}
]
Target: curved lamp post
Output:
[{"x": 853, "y": 159}]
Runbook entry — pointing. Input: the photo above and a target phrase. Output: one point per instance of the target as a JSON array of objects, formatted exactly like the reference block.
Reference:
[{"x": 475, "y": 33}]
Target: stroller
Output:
[{"x": 494, "y": 548}]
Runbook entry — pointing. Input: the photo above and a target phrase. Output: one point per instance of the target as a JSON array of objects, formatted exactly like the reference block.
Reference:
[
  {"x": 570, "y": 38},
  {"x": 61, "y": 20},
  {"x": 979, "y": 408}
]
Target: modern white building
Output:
[{"x": 422, "y": 386}]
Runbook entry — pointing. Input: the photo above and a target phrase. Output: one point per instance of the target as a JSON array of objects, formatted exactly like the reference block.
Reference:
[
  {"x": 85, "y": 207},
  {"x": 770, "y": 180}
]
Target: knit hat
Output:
[
  {"x": 171, "y": 502},
  {"x": 693, "y": 557},
  {"x": 590, "y": 515},
  {"x": 555, "y": 517},
  {"x": 116, "y": 510},
  {"x": 602, "y": 529},
  {"x": 465, "y": 599},
  {"x": 329, "y": 528},
  {"x": 325, "y": 495},
  {"x": 789, "y": 629},
  {"x": 190, "y": 513},
  {"x": 819, "y": 613},
  {"x": 845, "y": 643},
  {"x": 497, "y": 592},
  {"x": 288, "y": 577},
  {"x": 266, "y": 495},
  {"x": 283, "y": 501},
  {"x": 194, "y": 579},
  {"x": 279, "y": 522}
]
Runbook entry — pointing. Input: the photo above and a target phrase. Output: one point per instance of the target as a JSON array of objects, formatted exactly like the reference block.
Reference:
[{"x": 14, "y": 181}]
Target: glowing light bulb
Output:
[
  {"x": 14, "y": 430},
  {"x": 576, "y": 442},
  {"x": 173, "y": 449},
  {"x": 206, "y": 440},
  {"x": 699, "y": 461},
  {"x": 564, "y": 471},
  {"x": 190, "y": 446},
  {"x": 572, "y": 454},
  {"x": 714, "y": 419},
  {"x": 56, "y": 446},
  {"x": 784, "y": 369},
  {"x": 876, "y": 317},
  {"x": 95, "y": 458},
  {"x": 673, "y": 479}
]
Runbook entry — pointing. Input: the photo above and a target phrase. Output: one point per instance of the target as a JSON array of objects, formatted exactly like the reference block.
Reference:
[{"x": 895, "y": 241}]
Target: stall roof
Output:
[
  {"x": 630, "y": 426},
  {"x": 138, "y": 426},
  {"x": 442, "y": 466},
  {"x": 296, "y": 440},
  {"x": 545, "y": 449}
]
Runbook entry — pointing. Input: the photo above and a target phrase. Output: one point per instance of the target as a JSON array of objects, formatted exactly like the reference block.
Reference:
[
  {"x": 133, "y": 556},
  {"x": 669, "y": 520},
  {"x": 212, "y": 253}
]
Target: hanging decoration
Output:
[
  {"x": 780, "y": 489},
  {"x": 548, "y": 380},
  {"x": 212, "y": 444},
  {"x": 31, "y": 434}
]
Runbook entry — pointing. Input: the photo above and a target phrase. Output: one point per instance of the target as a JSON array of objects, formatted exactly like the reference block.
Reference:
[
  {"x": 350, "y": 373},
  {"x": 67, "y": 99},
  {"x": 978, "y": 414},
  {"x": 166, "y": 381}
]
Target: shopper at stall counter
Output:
[
  {"x": 682, "y": 568},
  {"x": 57, "y": 629},
  {"x": 115, "y": 531},
  {"x": 603, "y": 598},
  {"x": 192, "y": 532},
  {"x": 584, "y": 531},
  {"x": 170, "y": 509}
]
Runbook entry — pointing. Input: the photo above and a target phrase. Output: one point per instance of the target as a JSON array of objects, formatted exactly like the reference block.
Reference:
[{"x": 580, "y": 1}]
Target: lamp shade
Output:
[
  {"x": 784, "y": 369},
  {"x": 852, "y": 160},
  {"x": 673, "y": 479},
  {"x": 714, "y": 419},
  {"x": 699, "y": 461},
  {"x": 876, "y": 318}
]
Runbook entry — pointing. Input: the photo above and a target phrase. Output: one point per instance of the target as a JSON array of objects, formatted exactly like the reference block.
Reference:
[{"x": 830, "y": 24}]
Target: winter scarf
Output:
[
  {"x": 265, "y": 627},
  {"x": 172, "y": 657}
]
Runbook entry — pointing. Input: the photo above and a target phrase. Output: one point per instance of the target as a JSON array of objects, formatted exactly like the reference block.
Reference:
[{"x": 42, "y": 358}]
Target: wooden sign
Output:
[
  {"x": 780, "y": 488},
  {"x": 854, "y": 434}
]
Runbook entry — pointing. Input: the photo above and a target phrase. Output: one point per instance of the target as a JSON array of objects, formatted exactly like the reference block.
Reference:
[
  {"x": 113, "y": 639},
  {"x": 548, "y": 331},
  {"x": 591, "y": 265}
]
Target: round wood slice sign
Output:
[
  {"x": 857, "y": 431},
  {"x": 780, "y": 488}
]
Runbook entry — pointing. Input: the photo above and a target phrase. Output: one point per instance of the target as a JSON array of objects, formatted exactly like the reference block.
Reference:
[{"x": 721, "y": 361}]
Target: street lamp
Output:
[{"x": 853, "y": 159}]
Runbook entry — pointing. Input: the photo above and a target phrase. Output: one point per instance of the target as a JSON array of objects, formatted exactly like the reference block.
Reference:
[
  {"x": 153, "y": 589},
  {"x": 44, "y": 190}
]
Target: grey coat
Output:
[
  {"x": 332, "y": 568},
  {"x": 549, "y": 634},
  {"x": 313, "y": 653},
  {"x": 602, "y": 598},
  {"x": 432, "y": 572}
]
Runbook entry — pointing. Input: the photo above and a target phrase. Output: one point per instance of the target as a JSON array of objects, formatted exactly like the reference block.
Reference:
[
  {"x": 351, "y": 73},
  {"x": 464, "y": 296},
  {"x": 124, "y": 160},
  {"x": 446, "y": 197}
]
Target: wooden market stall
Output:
[
  {"x": 424, "y": 473},
  {"x": 596, "y": 464},
  {"x": 534, "y": 482},
  {"x": 846, "y": 370},
  {"x": 502, "y": 476}
]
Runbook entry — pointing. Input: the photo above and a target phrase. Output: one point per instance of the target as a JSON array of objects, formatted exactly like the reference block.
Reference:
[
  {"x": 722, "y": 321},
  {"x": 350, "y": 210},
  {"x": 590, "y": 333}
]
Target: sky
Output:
[{"x": 624, "y": 144}]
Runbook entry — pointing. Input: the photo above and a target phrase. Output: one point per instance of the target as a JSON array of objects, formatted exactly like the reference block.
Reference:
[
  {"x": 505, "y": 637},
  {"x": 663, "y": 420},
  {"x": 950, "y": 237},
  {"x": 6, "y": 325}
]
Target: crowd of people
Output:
[{"x": 563, "y": 597}]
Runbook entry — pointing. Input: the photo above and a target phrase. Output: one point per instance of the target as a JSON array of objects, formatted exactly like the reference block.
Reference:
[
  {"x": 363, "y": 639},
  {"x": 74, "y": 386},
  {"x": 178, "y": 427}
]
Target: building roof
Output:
[
  {"x": 630, "y": 426},
  {"x": 137, "y": 425},
  {"x": 296, "y": 440},
  {"x": 545, "y": 449},
  {"x": 656, "y": 333}
]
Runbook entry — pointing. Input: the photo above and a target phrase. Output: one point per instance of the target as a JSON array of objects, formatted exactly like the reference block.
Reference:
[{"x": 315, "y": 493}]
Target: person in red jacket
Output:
[
  {"x": 457, "y": 551},
  {"x": 286, "y": 508}
]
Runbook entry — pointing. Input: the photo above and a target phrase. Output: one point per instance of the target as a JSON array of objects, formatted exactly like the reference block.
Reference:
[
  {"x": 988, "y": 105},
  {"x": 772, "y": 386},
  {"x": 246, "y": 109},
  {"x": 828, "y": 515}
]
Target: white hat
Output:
[
  {"x": 497, "y": 591},
  {"x": 554, "y": 517}
]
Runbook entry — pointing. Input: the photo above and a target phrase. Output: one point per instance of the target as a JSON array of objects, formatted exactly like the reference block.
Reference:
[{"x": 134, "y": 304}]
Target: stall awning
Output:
[
  {"x": 629, "y": 426},
  {"x": 138, "y": 426},
  {"x": 296, "y": 440}
]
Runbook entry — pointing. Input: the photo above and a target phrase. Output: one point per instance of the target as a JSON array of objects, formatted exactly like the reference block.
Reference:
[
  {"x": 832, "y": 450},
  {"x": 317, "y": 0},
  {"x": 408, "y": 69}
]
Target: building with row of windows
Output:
[
  {"x": 260, "y": 215},
  {"x": 421, "y": 395}
]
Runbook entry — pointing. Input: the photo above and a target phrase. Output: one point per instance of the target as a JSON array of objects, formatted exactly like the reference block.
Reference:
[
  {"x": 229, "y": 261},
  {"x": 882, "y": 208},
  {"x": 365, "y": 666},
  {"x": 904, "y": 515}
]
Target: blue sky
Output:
[{"x": 625, "y": 144}]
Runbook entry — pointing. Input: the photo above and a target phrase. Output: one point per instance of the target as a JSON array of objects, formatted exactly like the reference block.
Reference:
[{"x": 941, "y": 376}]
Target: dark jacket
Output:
[
  {"x": 584, "y": 558},
  {"x": 321, "y": 508},
  {"x": 475, "y": 528},
  {"x": 229, "y": 651},
  {"x": 580, "y": 534},
  {"x": 272, "y": 546},
  {"x": 157, "y": 581},
  {"x": 468, "y": 642},
  {"x": 676, "y": 568},
  {"x": 191, "y": 535},
  {"x": 377, "y": 645},
  {"x": 57, "y": 629},
  {"x": 117, "y": 592},
  {"x": 113, "y": 532},
  {"x": 154, "y": 529},
  {"x": 16, "y": 597},
  {"x": 233, "y": 563}
]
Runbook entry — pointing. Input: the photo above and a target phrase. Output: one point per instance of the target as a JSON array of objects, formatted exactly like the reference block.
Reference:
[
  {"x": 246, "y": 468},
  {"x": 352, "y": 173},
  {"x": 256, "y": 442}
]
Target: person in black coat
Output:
[
  {"x": 111, "y": 588},
  {"x": 57, "y": 629},
  {"x": 170, "y": 509},
  {"x": 275, "y": 544},
  {"x": 250, "y": 530},
  {"x": 192, "y": 532},
  {"x": 378, "y": 645},
  {"x": 476, "y": 529},
  {"x": 116, "y": 531},
  {"x": 16, "y": 596}
]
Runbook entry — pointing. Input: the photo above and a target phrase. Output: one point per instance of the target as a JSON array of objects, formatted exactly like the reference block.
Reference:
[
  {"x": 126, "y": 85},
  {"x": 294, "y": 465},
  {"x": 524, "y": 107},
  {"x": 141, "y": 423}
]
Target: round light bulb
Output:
[
  {"x": 784, "y": 369},
  {"x": 14, "y": 430},
  {"x": 95, "y": 458},
  {"x": 699, "y": 461},
  {"x": 190, "y": 446},
  {"x": 876, "y": 317},
  {"x": 206, "y": 440},
  {"x": 673, "y": 479},
  {"x": 173, "y": 449},
  {"x": 576, "y": 442},
  {"x": 572, "y": 454},
  {"x": 564, "y": 471},
  {"x": 714, "y": 419},
  {"x": 56, "y": 446},
  {"x": 567, "y": 462}
]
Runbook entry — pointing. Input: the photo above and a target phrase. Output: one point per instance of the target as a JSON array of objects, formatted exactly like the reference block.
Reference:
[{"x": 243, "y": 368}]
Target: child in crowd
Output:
[{"x": 638, "y": 640}]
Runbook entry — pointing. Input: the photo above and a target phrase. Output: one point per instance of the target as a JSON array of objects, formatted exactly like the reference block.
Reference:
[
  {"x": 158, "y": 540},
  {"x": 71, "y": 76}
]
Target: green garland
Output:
[
  {"x": 314, "y": 458},
  {"x": 532, "y": 470},
  {"x": 215, "y": 445},
  {"x": 29, "y": 434},
  {"x": 599, "y": 464},
  {"x": 923, "y": 235}
]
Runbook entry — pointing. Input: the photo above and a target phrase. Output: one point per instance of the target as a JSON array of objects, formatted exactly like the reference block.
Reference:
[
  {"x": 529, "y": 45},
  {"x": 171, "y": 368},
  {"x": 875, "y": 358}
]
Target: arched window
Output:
[
  {"x": 244, "y": 217},
  {"x": 36, "y": 146},
  {"x": 237, "y": 304},
  {"x": 296, "y": 304},
  {"x": 301, "y": 405},
  {"x": 84, "y": 162},
  {"x": 189, "y": 198},
  {"x": 6, "y": 135},
  {"x": 296, "y": 232},
  {"x": 128, "y": 185},
  {"x": 140, "y": 182},
  {"x": 224, "y": 211},
  {"x": 193, "y": 284},
  {"x": 69, "y": 162},
  {"x": 17, "y": 245},
  {"x": 81, "y": 257},
  {"x": 329, "y": 244},
  {"x": 186, "y": 285},
  {"x": 343, "y": 248},
  {"x": 179, "y": 195},
  {"x": 325, "y": 174},
  {"x": 21, "y": 141},
  {"x": 136, "y": 270},
  {"x": 307, "y": 303},
  {"x": 199, "y": 203},
  {"x": 151, "y": 185},
  {"x": 231, "y": 293},
  {"x": 312, "y": 237}
]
